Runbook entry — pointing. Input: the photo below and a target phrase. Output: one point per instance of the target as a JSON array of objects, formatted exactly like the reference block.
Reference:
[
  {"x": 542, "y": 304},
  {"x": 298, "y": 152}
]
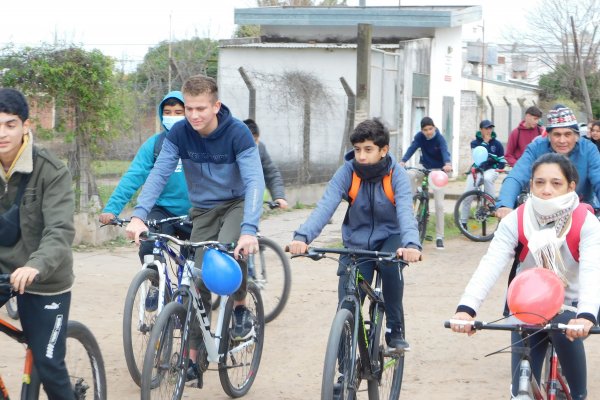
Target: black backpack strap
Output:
[
  {"x": 513, "y": 273},
  {"x": 158, "y": 144}
]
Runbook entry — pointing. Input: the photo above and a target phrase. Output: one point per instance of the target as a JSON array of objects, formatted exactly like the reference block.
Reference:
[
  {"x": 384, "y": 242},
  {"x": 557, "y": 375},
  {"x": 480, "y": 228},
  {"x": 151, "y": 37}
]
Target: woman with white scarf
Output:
[{"x": 547, "y": 219}]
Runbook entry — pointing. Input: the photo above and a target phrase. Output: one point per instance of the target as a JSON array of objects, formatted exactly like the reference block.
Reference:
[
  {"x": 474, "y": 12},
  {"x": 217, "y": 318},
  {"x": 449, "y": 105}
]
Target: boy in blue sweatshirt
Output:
[
  {"x": 372, "y": 221},
  {"x": 434, "y": 155}
]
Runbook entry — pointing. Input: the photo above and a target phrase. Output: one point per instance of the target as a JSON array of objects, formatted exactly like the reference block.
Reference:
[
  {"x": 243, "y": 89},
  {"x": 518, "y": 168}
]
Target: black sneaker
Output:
[
  {"x": 396, "y": 342},
  {"x": 464, "y": 225},
  {"x": 152, "y": 299},
  {"x": 243, "y": 323},
  {"x": 439, "y": 244},
  {"x": 192, "y": 371}
]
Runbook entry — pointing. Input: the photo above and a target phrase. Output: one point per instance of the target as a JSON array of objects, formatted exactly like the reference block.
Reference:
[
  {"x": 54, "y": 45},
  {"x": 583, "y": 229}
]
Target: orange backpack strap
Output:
[
  {"x": 354, "y": 187},
  {"x": 388, "y": 188},
  {"x": 573, "y": 237},
  {"x": 386, "y": 182}
]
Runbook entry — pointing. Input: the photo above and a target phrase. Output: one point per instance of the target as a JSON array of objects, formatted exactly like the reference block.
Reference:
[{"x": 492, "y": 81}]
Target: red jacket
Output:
[{"x": 518, "y": 140}]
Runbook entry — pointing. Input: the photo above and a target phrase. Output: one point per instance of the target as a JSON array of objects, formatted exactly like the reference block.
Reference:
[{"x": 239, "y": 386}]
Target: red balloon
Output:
[
  {"x": 438, "y": 179},
  {"x": 535, "y": 295}
]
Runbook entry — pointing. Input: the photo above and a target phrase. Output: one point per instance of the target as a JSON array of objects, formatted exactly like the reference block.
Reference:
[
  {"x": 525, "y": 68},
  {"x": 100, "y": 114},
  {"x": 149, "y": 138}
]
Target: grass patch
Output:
[
  {"x": 450, "y": 229},
  {"x": 104, "y": 168}
]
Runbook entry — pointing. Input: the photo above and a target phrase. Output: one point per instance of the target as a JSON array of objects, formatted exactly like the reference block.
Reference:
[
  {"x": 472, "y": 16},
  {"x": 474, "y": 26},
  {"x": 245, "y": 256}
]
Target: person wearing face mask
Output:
[
  {"x": 542, "y": 229},
  {"x": 563, "y": 138},
  {"x": 174, "y": 200}
]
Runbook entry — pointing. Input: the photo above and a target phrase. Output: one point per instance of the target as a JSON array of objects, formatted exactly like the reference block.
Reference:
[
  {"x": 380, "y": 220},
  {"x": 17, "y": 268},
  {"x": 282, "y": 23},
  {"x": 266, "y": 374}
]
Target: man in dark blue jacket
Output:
[{"x": 434, "y": 155}]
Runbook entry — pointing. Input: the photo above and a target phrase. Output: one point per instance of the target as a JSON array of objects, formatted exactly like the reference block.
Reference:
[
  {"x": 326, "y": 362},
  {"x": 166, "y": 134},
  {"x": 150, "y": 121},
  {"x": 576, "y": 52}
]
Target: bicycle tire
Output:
[
  {"x": 338, "y": 366},
  {"x": 274, "y": 286},
  {"x": 420, "y": 207},
  {"x": 84, "y": 362},
  {"x": 163, "y": 361},
  {"x": 389, "y": 385},
  {"x": 12, "y": 309},
  {"x": 481, "y": 224},
  {"x": 237, "y": 370},
  {"x": 136, "y": 333}
]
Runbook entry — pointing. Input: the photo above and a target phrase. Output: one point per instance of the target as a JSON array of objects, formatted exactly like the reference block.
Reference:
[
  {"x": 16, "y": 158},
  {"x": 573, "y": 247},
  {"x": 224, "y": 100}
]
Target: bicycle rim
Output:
[
  {"x": 137, "y": 328},
  {"x": 240, "y": 359},
  {"x": 391, "y": 367},
  {"x": 339, "y": 365},
  {"x": 166, "y": 359},
  {"x": 478, "y": 207},
  {"x": 273, "y": 277},
  {"x": 420, "y": 212}
]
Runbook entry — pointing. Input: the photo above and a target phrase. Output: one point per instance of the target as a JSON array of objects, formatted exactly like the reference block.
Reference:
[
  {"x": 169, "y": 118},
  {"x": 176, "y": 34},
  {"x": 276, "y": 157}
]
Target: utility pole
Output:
[{"x": 482, "y": 68}]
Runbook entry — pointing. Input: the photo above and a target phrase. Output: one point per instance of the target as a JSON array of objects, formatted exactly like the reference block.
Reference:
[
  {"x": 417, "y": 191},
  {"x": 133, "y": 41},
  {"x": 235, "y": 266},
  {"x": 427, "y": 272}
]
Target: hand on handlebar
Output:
[
  {"x": 503, "y": 212},
  {"x": 106, "y": 218},
  {"x": 464, "y": 327},
  {"x": 135, "y": 227},
  {"x": 297, "y": 247},
  {"x": 23, "y": 277},
  {"x": 573, "y": 334},
  {"x": 409, "y": 254}
]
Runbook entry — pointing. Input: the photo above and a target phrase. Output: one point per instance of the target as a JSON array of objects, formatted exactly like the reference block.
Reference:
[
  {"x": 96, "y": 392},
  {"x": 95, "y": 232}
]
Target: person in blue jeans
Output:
[
  {"x": 373, "y": 221},
  {"x": 173, "y": 200},
  {"x": 35, "y": 241}
]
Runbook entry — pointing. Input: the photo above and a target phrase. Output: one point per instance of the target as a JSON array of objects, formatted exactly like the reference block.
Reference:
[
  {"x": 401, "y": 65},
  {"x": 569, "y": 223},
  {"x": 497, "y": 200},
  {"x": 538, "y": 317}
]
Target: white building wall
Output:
[{"x": 445, "y": 81}]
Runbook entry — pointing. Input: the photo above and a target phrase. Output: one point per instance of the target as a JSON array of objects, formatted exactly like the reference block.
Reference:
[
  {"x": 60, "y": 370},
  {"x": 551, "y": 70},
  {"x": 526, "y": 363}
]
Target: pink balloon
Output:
[
  {"x": 535, "y": 295},
  {"x": 438, "y": 179}
]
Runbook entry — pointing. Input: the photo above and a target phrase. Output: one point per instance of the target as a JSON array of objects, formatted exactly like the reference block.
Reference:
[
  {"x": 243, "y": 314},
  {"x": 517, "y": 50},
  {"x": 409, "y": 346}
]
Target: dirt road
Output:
[{"x": 441, "y": 365}]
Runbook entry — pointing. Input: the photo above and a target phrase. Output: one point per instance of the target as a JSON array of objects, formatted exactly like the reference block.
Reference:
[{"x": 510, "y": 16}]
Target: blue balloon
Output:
[
  {"x": 220, "y": 272},
  {"x": 480, "y": 155}
]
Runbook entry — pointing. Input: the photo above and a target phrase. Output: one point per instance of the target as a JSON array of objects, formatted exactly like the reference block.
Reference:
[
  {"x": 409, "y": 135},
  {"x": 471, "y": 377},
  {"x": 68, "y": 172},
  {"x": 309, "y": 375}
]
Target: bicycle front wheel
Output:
[
  {"x": 391, "y": 365},
  {"x": 11, "y": 308},
  {"x": 474, "y": 215},
  {"x": 420, "y": 208},
  {"x": 273, "y": 277},
  {"x": 339, "y": 365},
  {"x": 166, "y": 359},
  {"x": 139, "y": 315},
  {"x": 240, "y": 359},
  {"x": 84, "y": 363}
]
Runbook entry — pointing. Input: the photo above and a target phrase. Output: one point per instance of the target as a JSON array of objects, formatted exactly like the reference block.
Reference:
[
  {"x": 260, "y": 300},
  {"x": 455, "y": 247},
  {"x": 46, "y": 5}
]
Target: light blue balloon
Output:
[{"x": 480, "y": 155}]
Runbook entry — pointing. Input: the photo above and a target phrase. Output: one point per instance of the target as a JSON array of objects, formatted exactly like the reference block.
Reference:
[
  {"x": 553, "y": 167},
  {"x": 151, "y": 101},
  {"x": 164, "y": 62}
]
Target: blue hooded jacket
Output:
[
  {"x": 585, "y": 157},
  {"x": 434, "y": 151},
  {"x": 372, "y": 218},
  {"x": 218, "y": 168},
  {"x": 174, "y": 197}
]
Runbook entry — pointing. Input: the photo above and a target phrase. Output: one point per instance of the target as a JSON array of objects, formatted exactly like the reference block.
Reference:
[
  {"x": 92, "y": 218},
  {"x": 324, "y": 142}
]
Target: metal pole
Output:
[{"x": 482, "y": 68}]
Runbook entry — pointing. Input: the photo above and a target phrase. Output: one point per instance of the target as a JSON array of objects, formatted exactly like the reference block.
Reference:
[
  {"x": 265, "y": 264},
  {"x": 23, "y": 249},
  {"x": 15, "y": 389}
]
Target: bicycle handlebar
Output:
[
  {"x": 550, "y": 327},
  {"x": 186, "y": 243},
  {"x": 154, "y": 223},
  {"x": 317, "y": 253}
]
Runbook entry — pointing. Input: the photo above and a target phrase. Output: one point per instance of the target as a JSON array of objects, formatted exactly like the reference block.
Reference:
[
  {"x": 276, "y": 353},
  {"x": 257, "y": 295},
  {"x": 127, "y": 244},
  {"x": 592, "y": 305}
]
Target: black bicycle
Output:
[
  {"x": 421, "y": 203},
  {"x": 356, "y": 347}
]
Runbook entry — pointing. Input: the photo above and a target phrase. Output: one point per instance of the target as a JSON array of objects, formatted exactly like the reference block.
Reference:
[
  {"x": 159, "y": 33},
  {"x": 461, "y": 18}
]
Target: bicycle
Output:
[
  {"x": 144, "y": 299},
  {"x": 356, "y": 348},
  {"x": 481, "y": 222},
  {"x": 421, "y": 203},
  {"x": 553, "y": 383},
  {"x": 83, "y": 360},
  {"x": 270, "y": 271},
  {"x": 167, "y": 353}
]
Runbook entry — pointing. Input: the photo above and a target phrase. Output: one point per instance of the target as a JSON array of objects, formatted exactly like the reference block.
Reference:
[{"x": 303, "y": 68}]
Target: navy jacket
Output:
[{"x": 434, "y": 151}]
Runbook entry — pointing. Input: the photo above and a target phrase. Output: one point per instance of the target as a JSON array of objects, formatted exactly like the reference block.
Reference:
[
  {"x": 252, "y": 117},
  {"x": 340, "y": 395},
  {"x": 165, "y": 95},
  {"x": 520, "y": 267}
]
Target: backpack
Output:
[
  {"x": 386, "y": 182},
  {"x": 573, "y": 236},
  {"x": 158, "y": 144}
]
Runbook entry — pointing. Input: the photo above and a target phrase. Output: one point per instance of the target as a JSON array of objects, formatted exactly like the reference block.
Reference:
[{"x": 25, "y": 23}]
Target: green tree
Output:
[{"x": 80, "y": 85}]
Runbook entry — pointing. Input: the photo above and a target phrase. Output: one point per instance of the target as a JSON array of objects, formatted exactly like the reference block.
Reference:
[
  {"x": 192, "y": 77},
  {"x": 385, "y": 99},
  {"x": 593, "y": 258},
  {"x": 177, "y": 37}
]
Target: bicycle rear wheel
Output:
[
  {"x": 420, "y": 207},
  {"x": 339, "y": 365},
  {"x": 479, "y": 208},
  {"x": 139, "y": 317},
  {"x": 391, "y": 365},
  {"x": 240, "y": 359},
  {"x": 273, "y": 277},
  {"x": 85, "y": 365},
  {"x": 166, "y": 359}
]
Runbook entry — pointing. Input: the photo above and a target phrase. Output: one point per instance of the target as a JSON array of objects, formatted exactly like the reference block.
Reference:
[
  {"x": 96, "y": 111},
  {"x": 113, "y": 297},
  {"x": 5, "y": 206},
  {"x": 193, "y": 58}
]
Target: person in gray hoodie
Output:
[{"x": 375, "y": 220}]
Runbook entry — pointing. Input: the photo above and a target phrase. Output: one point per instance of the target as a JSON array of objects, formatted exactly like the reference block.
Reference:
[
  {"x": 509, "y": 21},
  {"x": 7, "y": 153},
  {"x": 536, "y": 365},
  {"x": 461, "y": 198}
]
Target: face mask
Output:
[{"x": 169, "y": 120}]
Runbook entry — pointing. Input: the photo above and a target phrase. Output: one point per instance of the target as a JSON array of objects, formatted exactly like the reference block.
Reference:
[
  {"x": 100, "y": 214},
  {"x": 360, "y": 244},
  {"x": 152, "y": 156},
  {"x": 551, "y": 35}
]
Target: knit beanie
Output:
[{"x": 561, "y": 116}]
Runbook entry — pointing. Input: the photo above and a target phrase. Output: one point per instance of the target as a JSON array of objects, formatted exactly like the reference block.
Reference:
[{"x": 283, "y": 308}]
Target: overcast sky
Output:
[{"x": 126, "y": 29}]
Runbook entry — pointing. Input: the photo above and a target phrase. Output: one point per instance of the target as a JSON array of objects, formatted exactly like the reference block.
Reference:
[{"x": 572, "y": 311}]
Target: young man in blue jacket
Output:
[
  {"x": 173, "y": 200},
  {"x": 434, "y": 155},
  {"x": 372, "y": 221},
  {"x": 485, "y": 137},
  {"x": 563, "y": 138},
  {"x": 224, "y": 177}
]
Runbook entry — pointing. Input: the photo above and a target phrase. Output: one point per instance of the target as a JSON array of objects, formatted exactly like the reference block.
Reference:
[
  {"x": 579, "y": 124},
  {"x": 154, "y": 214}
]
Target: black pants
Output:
[
  {"x": 44, "y": 321},
  {"x": 174, "y": 229}
]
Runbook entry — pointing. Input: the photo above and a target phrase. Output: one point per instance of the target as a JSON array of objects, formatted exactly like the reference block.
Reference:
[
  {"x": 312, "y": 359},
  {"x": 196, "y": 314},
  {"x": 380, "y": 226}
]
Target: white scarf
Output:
[{"x": 543, "y": 240}]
